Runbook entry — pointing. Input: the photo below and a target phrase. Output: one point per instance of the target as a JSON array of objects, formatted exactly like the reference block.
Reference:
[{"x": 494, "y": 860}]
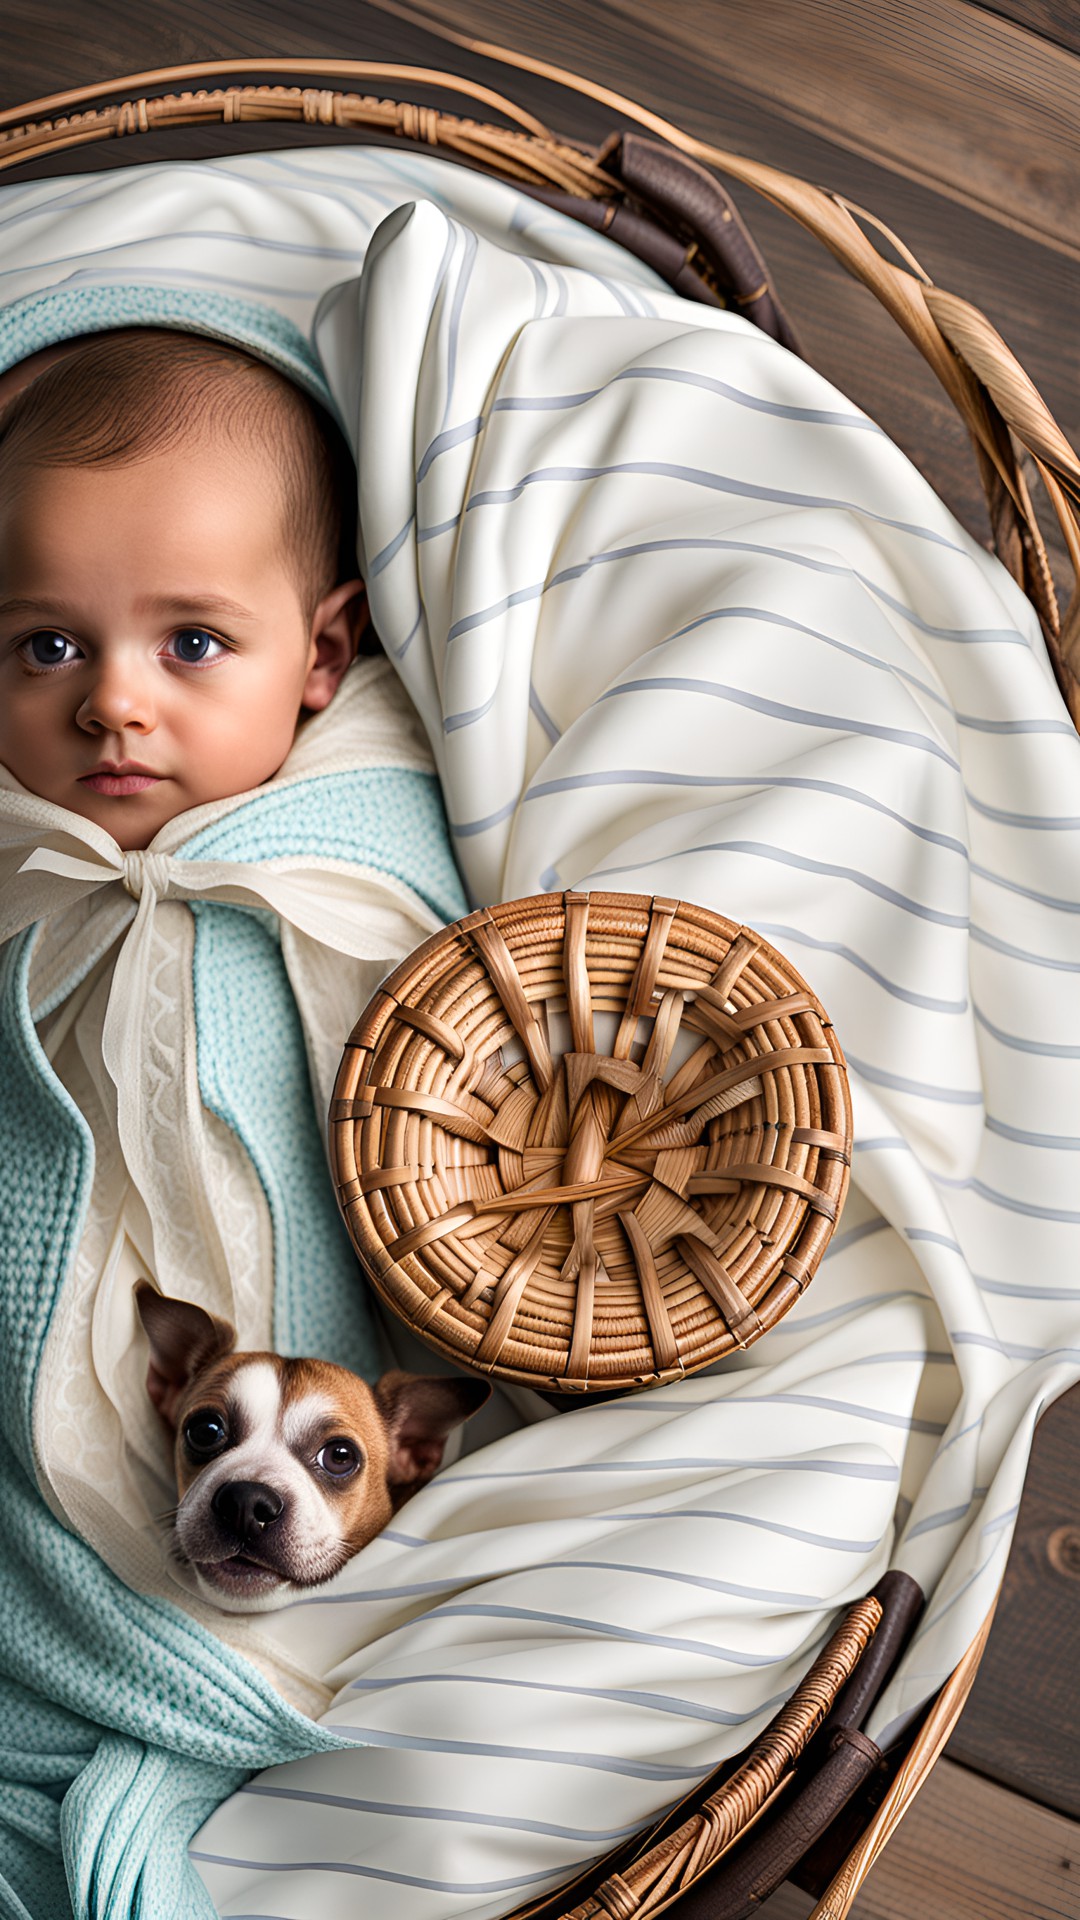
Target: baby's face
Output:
[{"x": 154, "y": 653}]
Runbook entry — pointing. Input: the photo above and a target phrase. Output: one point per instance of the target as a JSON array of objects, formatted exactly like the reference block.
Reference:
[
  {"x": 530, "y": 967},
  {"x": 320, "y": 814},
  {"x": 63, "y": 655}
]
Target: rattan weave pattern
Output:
[
  {"x": 592, "y": 1141},
  {"x": 666, "y": 1866}
]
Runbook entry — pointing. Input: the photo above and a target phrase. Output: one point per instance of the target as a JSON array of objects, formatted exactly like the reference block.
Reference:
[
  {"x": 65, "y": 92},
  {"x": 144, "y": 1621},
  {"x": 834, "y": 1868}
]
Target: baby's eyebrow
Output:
[
  {"x": 173, "y": 603},
  {"x": 163, "y": 603},
  {"x": 45, "y": 607}
]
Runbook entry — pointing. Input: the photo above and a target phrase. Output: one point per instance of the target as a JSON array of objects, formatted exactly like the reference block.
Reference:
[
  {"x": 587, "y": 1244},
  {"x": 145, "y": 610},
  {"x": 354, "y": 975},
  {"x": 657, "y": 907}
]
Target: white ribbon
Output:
[
  {"x": 363, "y": 914},
  {"x": 330, "y": 902}
]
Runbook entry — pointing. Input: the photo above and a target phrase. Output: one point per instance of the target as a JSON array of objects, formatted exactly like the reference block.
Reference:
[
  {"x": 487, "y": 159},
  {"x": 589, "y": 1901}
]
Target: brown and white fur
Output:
[{"x": 284, "y": 1468}]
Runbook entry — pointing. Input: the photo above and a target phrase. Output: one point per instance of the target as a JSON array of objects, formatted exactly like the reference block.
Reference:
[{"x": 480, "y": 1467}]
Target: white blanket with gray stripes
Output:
[{"x": 679, "y": 620}]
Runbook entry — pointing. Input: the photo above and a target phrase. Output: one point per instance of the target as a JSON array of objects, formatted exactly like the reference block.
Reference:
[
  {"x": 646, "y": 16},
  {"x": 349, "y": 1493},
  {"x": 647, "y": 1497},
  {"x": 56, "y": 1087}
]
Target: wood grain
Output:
[
  {"x": 952, "y": 96},
  {"x": 1021, "y": 1723},
  {"x": 967, "y": 1850},
  {"x": 1057, "y": 20}
]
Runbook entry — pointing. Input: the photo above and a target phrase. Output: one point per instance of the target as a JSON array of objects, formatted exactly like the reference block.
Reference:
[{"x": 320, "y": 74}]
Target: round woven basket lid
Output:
[{"x": 591, "y": 1141}]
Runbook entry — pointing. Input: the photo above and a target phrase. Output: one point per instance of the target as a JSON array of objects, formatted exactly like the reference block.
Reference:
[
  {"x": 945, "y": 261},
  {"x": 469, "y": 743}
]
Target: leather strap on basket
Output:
[
  {"x": 685, "y": 226},
  {"x": 839, "y": 1761},
  {"x": 683, "y": 195},
  {"x": 677, "y": 261}
]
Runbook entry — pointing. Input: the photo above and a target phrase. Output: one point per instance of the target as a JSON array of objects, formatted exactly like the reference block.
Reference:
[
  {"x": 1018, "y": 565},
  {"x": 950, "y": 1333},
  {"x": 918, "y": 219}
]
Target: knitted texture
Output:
[
  {"x": 41, "y": 320},
  {"x": 82, "y": 1659},
  {"x": 252, "y": 1065},
  {"x": 253, "y": 1074},
  {"x": 389, "y": 818}
]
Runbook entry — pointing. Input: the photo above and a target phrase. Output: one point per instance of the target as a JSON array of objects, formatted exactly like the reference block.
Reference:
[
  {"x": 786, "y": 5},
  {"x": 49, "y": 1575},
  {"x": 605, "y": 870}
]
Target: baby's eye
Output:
[
  {"x": 47, "y": 649},
  {"x": 194, "y": 646}
]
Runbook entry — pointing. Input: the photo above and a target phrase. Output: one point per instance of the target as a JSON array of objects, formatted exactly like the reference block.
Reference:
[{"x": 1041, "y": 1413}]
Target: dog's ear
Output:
[
  {"x": 419, "y": 1413},
  {"x": 183, "y": 1339}
]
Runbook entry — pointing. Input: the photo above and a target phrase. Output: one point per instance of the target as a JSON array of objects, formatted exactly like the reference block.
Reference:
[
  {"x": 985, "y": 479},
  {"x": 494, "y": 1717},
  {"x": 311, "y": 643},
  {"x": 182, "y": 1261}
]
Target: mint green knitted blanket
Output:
[{"x": 123, "y": 1723}]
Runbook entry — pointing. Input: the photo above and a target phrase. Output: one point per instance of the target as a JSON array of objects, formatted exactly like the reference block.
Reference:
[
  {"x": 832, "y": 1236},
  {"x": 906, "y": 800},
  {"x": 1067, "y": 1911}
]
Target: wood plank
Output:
[
  {"x": 970, "y": 1850},
  {"x": 977, "y": 109},
  {"x": 1021, "y": 1723},
  {"x": 966, "y": 1850},
  {"x": 1054, "y": 19}
]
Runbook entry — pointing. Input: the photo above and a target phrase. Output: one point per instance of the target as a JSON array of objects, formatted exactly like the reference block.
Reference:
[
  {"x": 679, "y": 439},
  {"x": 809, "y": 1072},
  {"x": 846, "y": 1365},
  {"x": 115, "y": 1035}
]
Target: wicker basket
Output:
[
  {"x": 590, "y": 1142},
  {"x": 656, "y": 197}
]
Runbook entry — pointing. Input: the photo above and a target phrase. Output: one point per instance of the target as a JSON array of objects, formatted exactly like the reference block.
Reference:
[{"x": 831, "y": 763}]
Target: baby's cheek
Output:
[{"x": 244, "y": 741}]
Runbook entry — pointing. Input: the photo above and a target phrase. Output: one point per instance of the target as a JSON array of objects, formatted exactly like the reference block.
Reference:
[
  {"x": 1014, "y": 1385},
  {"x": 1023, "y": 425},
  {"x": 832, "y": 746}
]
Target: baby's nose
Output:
[{"x": 120, "y": 696}]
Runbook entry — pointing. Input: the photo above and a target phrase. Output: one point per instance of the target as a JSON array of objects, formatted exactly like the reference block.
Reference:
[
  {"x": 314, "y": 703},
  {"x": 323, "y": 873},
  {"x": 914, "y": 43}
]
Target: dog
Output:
[{"x": 284, "y": 1468}]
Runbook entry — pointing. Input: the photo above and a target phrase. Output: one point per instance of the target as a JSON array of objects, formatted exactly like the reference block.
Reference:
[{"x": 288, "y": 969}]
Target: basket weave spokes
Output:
[{"x": 592, "y": 1142}]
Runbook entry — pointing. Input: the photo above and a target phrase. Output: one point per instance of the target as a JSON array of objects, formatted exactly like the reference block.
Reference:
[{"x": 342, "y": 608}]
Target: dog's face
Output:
[{"x": 284, "y": 1468}]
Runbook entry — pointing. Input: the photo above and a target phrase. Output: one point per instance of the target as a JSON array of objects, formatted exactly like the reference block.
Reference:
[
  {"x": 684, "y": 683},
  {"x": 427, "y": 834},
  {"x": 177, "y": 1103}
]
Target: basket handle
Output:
[
  {"x": 838, "y": 1898},
  {"x": 16, "y": 120},
  {"x": 524, "y": 153}
]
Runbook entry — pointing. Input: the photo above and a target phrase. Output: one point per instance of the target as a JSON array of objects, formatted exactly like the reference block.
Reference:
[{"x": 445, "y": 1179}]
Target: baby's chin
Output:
[
  {"x": 134, "y": 820},
  {"x": 131, "y": 819}
]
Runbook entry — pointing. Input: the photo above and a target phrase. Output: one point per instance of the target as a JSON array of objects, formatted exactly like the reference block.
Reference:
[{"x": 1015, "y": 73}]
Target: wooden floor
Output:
[{"x": 959, "y": 125}]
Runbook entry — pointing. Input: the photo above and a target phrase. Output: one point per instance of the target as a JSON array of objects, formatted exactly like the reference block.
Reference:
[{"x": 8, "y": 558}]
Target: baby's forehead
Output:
[
  {"x": 106, "y": 398},
  {"x": 159, "y": 399},
  {"x": 200, "y": 519}
]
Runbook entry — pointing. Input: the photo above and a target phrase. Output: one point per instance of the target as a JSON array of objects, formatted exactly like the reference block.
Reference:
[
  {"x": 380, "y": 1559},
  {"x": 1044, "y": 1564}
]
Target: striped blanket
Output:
[{"x": 679, "y": 619}]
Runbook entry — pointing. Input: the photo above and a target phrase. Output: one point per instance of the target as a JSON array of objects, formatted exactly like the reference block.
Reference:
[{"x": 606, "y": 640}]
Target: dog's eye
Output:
[
  {"x": 204, "y": 1434},
  {"x": 339, "y": 1458}
]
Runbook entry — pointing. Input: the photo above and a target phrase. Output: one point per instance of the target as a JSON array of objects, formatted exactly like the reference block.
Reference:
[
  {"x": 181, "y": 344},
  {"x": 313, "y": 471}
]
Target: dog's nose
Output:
[{"x": 247, "y": 1507}]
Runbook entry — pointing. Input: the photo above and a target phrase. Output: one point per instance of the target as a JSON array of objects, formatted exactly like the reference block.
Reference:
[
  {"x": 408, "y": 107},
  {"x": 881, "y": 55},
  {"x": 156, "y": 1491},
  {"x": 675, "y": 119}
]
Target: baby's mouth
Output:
[{"x": 115, "y": 781}]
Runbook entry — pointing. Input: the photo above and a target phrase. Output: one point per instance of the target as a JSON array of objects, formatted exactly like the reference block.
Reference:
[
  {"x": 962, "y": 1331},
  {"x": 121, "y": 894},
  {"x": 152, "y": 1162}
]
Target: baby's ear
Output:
[
  {"x": 419, "y": 1414},
  {"x": 183, "y": 1339},
  {"x": 336, "y": 626}
]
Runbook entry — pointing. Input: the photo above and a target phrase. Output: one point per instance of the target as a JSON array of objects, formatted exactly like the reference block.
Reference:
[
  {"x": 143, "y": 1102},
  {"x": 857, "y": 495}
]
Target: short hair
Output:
[{"x": 116, "y": 402}]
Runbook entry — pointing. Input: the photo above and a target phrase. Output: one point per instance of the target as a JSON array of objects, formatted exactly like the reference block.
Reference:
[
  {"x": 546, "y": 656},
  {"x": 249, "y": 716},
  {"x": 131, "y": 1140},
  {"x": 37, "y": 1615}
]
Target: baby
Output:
[
  {"x": 175, "y": 590},
  {"x": 183, "y": 720}
]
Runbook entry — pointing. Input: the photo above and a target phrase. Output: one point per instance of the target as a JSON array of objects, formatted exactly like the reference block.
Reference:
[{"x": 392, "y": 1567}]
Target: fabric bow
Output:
[{"x": 52, "y": 861}]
